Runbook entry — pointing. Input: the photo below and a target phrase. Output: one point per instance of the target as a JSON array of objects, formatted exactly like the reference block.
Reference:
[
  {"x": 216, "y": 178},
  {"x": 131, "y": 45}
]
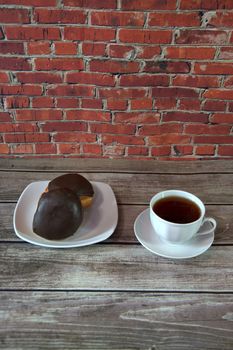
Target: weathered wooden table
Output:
[{"x": 116, "y": 294}]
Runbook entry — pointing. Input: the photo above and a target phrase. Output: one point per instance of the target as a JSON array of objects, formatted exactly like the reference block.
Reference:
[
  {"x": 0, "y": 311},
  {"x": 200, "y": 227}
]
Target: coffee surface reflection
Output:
[{"x": 176, "y": 209}]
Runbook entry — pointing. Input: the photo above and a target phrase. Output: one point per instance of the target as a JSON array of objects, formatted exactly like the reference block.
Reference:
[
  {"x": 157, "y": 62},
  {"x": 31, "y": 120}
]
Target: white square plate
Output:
[{"x": 99, "y": 221}]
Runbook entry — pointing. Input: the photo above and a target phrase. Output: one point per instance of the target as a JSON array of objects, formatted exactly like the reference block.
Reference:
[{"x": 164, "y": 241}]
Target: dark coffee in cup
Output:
[{"x": 176, "y": 209}]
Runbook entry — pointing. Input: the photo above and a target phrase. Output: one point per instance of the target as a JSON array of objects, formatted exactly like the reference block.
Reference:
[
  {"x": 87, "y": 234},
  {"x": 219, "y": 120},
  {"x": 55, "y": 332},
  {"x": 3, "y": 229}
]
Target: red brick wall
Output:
[{"x": 116, "y": 78}]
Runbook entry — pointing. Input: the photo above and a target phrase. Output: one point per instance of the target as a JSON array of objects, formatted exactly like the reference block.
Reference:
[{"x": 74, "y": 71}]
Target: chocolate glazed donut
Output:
[
  {"x": 58, "y": 215},
  {"x": 76, "y": 183}
]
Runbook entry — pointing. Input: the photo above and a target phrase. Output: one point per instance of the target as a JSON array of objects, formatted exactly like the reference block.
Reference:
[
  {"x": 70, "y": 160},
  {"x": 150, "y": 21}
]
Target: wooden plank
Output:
[
  {"x": 74, "y": 320},
  {"x": 116, "y": 165},
  {"x": 133, "y": 188},
  {"x": 127, "y": 215},
  {"x": 113, "y": 267}
]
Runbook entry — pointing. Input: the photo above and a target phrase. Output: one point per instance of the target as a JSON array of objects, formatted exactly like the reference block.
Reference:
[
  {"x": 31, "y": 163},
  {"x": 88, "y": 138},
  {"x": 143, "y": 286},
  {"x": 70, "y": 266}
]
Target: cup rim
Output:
[{"x": 178, "y": 192}]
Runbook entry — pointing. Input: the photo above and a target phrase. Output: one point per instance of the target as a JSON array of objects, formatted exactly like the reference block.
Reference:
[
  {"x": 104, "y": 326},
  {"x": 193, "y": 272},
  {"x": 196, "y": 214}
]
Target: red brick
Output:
[
  {"x": 32, "y": 33},
  {"x": 180, "y": 116},
  {"x": 221, "y": 118},
  {"x": 45, "y": 148},
  {"x": 59, "y": 63},
  {"x": 68, "y": 148},
  {"x": 183, "y": 150},
  {"x": 161, "y": 151},
  {"x": 121, "y": 51},
  {"x": 113, "y": 150},
  {"x": 216, "y": 139},
  {"x": 11, "y": 15},
  {"x": 108, "y": 66},
  {"x": 93, "y": 49},
  {"x": 167, "y": 67},
  {"x": 230, "y": 106},
  {"x": 39, "y": 3},
  {"x": 211, "y": 105},
  {"x": 17, "y": 102},
  {"x": 22, "y": 149},
  {"x": 189, "y": 104},
  {"x": 168, "y": 139},
  {"x": 65, "y": 48},
  {"x": 4, "y": 78},
  {"x": 148, "y": 5},
  {"x": 7, "y": 47},
  {"x": 171, "y": 19},
  {"x": 19, "y": 127},
  {"x": 74, "y": 137},
  {"x": 5, "y": 117},
  {"x": 59, "y": 16},
  {"x": 204, "y": 36},
  {"x": 70, "y": 90},
  {"x": 138, "y": 151},
  {"x": 87, "y": 115},
  {"x": 229, "y": 82},
  {"x": 92, "y": 149},
  {"x": 226, "y": 53},
  {"x": 148, "y": 51},
  {"x": 103, "y": 18},
  {"x": 205, "y": 150},
  {"x": 206, "y": 4},
  {"x": 91, "y": 103},
  {"x": 195, "y": 81},
  {"x": 224, "y": 150},
  {"x": 213, "y": 68},
  {"x": 174, "y": 92},
  {"x": 142, "y": 104},
  {"x": 105, "y": 4},
  {"x": 123, "y": 139},
  {"x": 144, "y": 80},
  {"x": 145, "y": 36},
  {"x": 38, "y": 48},
  {"x": 26, "y": 137},
  {"x": 116, "y": 104},
  {"x": 137, "y": 117},
  {"x": 221, "y": 94},
  {"x": 90, "y": 78},
  {"x": 165, "y": 103},
  {"x": 89, "y": 33},
  {"x": 38, "y": 77},
  {"x": 64, "y": 126},
  {"x": 147, "y": 130},
  {"x": 4, "y": 149},
  {"x": 67, "y": 102},
  {"x": 200, "y": 129},
  {"x": 122, "y": 93},
  {"x": 112, "y": 129},
  {"x": 190, "y": 53},
  {"x": 231, "y": 38},
  {"x": 14, "y": 63},
  {"x": 221, "y": 19},
  {"x": 29, "y": 90},
  {"x": 42, "y": 102},
  {"x": 41, "y": 114}
]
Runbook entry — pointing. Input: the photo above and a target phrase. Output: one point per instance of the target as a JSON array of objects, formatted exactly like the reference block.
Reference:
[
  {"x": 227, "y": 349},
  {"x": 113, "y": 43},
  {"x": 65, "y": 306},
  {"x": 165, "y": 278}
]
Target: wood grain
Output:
[
  {"x": 111, "y": 320},
  {"x": 117, "y": 165},
  {"x": 133, "y": 188},
  {"x": 126, "y": 216},
  {"x": 113, "y": 267}
]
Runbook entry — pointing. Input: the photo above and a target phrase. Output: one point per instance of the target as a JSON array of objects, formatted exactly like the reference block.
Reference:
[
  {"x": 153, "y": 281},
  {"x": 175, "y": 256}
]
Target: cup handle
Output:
[{"x": 214, "y": 225}]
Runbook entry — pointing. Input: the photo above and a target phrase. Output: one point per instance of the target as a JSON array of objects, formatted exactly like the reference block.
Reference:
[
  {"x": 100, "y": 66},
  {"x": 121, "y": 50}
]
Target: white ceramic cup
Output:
[{"x": 178, "y": 233}]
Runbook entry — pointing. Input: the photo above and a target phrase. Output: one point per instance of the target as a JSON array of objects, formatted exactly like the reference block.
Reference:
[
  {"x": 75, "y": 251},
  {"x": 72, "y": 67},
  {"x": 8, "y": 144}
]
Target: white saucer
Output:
[
  {"x": 99, "y": 221},
  {"x": 151, "y": 241}
]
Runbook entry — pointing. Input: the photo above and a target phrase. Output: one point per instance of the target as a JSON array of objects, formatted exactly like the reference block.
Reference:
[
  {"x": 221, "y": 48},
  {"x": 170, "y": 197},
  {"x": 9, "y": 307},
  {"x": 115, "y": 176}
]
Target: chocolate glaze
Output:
[
  {"x": 58, "y": 215},
  {"x": 74, "y": 182}
]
